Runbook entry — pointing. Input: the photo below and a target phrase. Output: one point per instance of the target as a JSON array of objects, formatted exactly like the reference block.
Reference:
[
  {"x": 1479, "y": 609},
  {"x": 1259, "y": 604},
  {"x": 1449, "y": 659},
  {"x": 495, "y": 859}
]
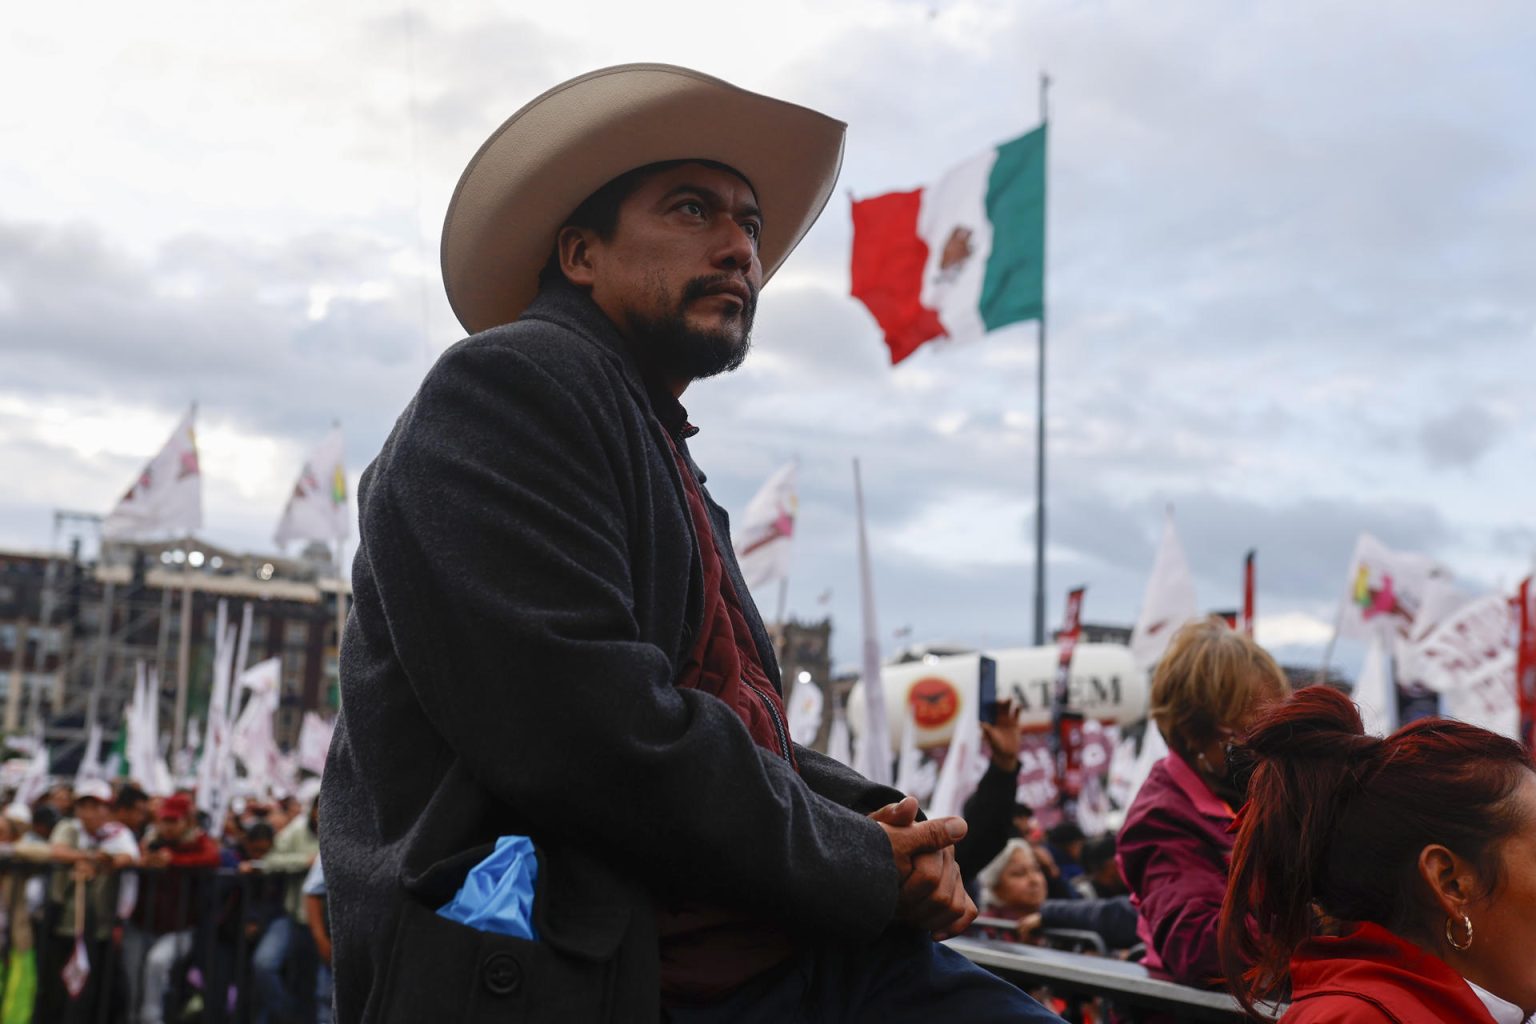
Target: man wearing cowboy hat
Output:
[{"x": 551, "y": 637}]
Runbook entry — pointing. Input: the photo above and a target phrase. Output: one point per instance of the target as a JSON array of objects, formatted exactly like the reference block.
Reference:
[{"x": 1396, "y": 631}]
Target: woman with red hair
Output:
[{"x": 1383, "y": 879}]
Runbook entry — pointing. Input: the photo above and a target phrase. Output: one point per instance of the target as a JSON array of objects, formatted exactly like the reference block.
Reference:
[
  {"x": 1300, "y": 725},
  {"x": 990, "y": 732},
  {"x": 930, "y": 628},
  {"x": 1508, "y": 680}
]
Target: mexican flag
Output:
[{"x": 960, "y": 257}]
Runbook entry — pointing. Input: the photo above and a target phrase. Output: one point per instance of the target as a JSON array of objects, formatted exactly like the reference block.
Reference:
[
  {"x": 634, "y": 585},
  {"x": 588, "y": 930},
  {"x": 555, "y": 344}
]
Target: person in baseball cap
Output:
[{"x": 550, "y": 620}]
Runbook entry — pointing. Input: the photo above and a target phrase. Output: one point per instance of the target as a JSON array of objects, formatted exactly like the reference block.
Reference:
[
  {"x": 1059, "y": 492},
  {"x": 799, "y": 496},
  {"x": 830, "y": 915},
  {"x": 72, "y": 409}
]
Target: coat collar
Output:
[
  {"x": 1194, "y": 787},
  {"x": 1373, "y": 964},
  {"x": 563, "y": 304}
]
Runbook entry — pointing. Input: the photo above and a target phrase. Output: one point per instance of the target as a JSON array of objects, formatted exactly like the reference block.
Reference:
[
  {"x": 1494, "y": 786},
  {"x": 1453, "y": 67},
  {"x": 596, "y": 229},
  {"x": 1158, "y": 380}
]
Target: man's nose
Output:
[{"x": 736, "y": 250}]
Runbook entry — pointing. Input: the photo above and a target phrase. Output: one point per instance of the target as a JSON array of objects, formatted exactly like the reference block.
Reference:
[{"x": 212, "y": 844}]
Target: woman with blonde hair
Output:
[{"x": 1175, "y": 846}]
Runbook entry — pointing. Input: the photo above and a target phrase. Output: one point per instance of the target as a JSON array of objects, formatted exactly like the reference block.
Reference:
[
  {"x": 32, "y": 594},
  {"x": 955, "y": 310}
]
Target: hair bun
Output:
[{"x": 1318, "y": 721}]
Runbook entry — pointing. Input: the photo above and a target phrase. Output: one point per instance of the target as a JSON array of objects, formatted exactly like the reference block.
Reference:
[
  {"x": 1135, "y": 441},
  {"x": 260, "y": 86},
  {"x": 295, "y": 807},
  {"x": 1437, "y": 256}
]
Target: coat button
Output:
[{"x": 501, "y": 974}]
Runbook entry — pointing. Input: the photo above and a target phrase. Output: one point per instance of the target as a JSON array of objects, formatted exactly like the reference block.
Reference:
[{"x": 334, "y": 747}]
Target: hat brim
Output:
[{"x": 552, "y": 154}]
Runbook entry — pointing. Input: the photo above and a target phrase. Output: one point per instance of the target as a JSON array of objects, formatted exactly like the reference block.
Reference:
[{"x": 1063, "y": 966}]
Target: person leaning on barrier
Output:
[
  {"x": 1175, "y": 843},
  {"x": 131, "y": 809},
  {"x": 1395, "y": 878},
  {"x": 1101, "y": 871},
  {"x": 174, "y": 894},
  {"x": 551, "y": 637},
  {"x": 283, "y": 962},
  {"x": 1014, "y": 886},
  {"x": 88, "y": 892}
]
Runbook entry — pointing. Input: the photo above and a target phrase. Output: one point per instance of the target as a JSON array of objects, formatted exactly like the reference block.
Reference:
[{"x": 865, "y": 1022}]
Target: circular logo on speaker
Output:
[{"x": 934, "y": 701}]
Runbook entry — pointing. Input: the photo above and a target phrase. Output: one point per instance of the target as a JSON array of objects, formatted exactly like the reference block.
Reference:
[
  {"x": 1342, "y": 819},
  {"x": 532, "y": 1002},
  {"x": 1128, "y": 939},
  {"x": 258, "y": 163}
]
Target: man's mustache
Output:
[{"x": 700, "y": 287}]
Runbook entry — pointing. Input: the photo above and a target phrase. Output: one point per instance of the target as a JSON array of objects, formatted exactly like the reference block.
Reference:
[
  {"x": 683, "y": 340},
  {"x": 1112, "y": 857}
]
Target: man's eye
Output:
[
  {"x": 692, "y": 208},
  {"x": 753, "y": 229}
]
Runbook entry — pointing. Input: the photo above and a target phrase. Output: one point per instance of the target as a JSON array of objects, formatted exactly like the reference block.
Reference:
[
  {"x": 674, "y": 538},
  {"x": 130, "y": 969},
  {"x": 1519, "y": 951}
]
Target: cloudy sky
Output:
[{"x": 1291, "y": 257}]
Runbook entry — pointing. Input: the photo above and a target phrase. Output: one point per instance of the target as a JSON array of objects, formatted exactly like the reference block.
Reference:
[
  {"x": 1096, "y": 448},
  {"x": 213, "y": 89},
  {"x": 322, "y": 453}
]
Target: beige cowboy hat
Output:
[{"x": 534, "y": 170}]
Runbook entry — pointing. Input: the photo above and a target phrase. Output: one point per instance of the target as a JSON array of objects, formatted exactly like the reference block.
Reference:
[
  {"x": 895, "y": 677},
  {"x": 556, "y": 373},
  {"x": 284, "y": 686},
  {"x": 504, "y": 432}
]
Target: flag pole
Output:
[
  {"x": 1045, "y": 84},
  {"x": 183, "y": 649},
  {"x": 341, "y": 596},
  {"x": 1338, "y": 624}
]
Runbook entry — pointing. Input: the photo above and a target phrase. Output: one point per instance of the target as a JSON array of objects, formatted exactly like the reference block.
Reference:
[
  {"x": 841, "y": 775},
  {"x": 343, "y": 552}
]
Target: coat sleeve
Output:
[
  {"x": 989, "y": 820},
  {"x": 497, "y": 528},
  {"x": 842, "y": 785},
  {"x": 1179, "y": 882},
  {"x": 1113, "y": 918}
]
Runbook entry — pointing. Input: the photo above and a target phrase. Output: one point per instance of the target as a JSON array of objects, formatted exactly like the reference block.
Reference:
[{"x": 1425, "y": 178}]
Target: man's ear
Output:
[
  {"x": 575, "y": 247},
  {"x": 1451, "y": 880}
]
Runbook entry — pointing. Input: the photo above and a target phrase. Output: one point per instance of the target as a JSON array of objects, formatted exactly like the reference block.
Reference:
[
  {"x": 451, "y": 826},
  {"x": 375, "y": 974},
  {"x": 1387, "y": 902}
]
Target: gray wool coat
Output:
[{"x": 526, "y": 585}]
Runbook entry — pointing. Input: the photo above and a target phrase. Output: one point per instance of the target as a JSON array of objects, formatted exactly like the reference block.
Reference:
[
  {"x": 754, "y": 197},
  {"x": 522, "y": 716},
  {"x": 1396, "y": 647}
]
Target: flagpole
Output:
[
  {"x": 1338, "y": 623},
  {"x": 183, "y": 649},
  {"x": 783, "y": 599},
  {"x": 341, "y": 596},
  {"x": 1045, "y": 83}
]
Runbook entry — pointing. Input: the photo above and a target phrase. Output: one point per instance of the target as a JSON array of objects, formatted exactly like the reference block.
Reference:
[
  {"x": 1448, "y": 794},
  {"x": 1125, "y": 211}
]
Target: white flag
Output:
[
  {"x": 874, "y": 760},
  {"x": 1169, "y": 601},
  {"x": 34, "y": 783},
  {"x": 141, "y": 741},
  {"x": 90, "y": 762},
  {"x": 1129, "y": 770},
  {"x": 252, "y": 739},
  {"x": 215, "y": 772},
  {"x": 805, "y": 704},
  {"x": 167, "y": 498},
  {"x": 839, "y": 742},
  {"x": 914, "y": 775},
  {"x": 963, "y": 767},
  {"x": 768, "y": 526},
  {"x": 1386, "y": 586},
  {"x": 317, "y": 508},
  {"x": 1374, "y": 692},
  {"x": 315, "y": 741}
]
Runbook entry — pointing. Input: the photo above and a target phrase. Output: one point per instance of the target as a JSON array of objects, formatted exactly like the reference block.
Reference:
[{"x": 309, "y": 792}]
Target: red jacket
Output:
[
  {"x": 1174, "y": 851},
  {"x": 173, "y": 899},
  {"x": 1373, "y": 977}
]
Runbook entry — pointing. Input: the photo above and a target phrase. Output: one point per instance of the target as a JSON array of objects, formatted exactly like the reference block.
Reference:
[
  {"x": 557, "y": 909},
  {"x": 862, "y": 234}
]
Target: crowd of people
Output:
[
  {"x": 1278, "y": 852},
  {"x": 117, "y": 906}
]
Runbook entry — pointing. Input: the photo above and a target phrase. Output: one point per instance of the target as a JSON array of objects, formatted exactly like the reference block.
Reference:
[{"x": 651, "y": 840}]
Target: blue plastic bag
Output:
[{"x": 497, "y": 894}]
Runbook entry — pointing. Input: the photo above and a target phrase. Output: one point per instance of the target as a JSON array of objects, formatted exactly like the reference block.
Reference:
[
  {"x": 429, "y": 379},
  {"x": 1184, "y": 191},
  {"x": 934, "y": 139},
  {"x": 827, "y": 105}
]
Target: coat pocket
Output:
[
  {"x": 440, "y": 970},
  {"x": 594, "y": 960}
]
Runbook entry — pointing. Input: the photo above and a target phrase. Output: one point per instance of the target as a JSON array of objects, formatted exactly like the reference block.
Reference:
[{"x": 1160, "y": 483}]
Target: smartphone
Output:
[{"x": 986, "y": 690}]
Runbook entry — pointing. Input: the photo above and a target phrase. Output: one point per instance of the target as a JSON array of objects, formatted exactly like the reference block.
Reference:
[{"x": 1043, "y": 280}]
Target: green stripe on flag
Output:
[{"x": 1014, "y": 287}]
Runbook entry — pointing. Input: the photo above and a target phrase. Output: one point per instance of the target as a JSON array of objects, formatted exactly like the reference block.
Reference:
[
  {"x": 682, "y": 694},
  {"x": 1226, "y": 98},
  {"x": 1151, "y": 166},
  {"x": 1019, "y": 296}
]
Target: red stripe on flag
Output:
[{"x": 888, "y": 261}]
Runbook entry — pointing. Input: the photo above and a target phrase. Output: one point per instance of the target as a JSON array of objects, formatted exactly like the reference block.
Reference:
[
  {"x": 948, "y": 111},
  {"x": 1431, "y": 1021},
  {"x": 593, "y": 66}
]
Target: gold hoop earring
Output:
[{"x": 1450, "y": 923}]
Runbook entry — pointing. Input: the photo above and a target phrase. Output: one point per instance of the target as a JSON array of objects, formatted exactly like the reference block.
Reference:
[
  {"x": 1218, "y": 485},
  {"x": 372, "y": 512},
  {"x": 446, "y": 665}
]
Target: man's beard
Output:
[{"x": 677, "y": 350}]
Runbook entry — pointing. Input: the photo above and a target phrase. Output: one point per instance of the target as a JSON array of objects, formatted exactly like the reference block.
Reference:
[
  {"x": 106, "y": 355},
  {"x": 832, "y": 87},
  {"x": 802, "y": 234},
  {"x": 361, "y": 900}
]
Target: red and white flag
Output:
[
  {"x": 1525, "y": 660},
  {"x": 166, "y": 499},
  {"x": 77, "y": 970},
  {"x": 763, "y": 543}
]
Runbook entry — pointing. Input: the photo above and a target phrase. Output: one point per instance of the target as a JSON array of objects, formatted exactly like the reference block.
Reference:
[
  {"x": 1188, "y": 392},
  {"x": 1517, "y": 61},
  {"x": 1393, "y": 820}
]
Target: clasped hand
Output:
[{"x": 932, "y": 895}]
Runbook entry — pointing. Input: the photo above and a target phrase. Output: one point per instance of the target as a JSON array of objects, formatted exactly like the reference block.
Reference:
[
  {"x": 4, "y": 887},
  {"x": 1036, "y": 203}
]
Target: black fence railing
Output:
[{"x": 87, "y": 945}]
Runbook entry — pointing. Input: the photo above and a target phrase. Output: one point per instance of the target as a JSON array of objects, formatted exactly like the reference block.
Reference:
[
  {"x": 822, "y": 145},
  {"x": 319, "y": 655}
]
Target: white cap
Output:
[
  {"x": 19, "y": 812},
  {"x": 93, "y": 789}
]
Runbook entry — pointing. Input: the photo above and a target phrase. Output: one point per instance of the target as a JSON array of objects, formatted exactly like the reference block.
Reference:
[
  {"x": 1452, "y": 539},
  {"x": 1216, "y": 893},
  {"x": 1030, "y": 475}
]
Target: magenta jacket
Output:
[{"x": 1174, "y": 850}]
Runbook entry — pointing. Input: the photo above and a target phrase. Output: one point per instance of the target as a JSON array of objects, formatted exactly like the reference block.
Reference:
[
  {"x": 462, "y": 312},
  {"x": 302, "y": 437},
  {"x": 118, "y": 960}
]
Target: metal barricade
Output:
[
  {"x": 176, "y": 945},
  {"x": 1130, "y": 988}
]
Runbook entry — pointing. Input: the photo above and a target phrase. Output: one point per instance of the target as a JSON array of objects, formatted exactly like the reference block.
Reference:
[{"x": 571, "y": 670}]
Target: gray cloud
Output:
[
  {"x": 1273, "y": 248},
  {"x": 1459, "y": 437}
]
